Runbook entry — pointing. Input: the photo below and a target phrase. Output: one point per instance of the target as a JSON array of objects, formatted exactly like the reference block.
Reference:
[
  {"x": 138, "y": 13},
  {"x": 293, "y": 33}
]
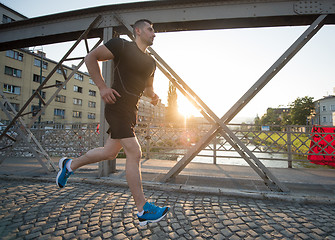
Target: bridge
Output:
[{"x": 169, "y": 15}]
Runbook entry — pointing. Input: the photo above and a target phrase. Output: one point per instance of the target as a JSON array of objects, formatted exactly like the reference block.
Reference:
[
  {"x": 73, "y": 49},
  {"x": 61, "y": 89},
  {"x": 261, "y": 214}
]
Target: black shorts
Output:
[{"x": 121, "y": 125}]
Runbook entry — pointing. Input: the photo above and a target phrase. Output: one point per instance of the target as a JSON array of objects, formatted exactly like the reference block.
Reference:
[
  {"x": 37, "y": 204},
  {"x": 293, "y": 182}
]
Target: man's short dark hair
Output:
[{"x": 139, "y": 24}]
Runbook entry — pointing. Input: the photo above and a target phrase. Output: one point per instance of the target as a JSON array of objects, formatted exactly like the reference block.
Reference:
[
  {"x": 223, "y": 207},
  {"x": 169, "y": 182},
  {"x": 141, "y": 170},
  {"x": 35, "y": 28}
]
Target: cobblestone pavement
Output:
[{"x": 36, "y": 210}]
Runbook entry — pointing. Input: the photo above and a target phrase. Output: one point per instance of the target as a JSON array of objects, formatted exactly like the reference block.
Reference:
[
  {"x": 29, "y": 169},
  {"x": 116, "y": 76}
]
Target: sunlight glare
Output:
[{"x": 186, "y": 109}]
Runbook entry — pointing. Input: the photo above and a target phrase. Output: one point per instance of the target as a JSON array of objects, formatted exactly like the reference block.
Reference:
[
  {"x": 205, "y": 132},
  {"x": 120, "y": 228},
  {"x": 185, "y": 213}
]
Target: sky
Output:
[{"x": 221, "y": 65}]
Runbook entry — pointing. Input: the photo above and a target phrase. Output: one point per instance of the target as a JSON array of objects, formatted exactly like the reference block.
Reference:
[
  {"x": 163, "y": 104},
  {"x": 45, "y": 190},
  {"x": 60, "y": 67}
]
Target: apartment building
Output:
[
  {"x": 148, "y": 112},
  {"x": 77, "y": 102},
  {"x": 325, "y": 111},
  {"x": 22, "y": 70},
  {"x": 9, "y": 15}
]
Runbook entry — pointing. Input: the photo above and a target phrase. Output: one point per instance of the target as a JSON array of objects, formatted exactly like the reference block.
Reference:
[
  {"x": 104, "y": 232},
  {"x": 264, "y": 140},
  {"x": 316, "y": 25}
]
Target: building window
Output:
[
  {"x": 43, "y": 94},
  {"x": 60, "y": 98},
  {"x": 76, "y": 114},
  {"x": 59, "y": 70},
  {"x": 36, "y": 78},
  {"x": 59, "y": 112},
  {"x": 78, "y": 77},
  {"x": 324, "y": 119},
  {"x": 14, "y": 54},
  {"x": 77, "y": 101},
  {"x": 91, "y": 81},
  {"x": 37, "y": 63},
  {"x": 77, "y": 89},
  {"x": 59, "y": 82},
  {"x": 13, "y": 72},
  {"x": 324, "y": 108},
  {"x": 16, "y": 106},
  {"x": 7, "y": 88},
  {"x": 92, "y": 93},
  {"x": 91, "y": 116},
  {"x": 6, "y": 19},
  {"x": 91, "y": 104},
  {"x": 332, "y": 107}
]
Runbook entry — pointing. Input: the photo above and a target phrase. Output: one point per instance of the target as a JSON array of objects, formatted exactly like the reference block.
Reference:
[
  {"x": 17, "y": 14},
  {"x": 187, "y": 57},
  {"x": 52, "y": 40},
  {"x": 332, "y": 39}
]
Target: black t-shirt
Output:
[{"x": 133, "y": 69}]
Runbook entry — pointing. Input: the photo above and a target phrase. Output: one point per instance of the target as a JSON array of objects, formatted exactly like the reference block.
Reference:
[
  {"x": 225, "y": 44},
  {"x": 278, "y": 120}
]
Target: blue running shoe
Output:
[
  {"x": 63, "y": 173},
  {"x": 152, "y": 213}
]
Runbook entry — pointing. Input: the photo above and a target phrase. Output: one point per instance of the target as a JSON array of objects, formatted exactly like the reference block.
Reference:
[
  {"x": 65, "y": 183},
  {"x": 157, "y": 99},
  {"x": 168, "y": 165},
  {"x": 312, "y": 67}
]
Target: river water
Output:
[{"x": 230, "y": 158}]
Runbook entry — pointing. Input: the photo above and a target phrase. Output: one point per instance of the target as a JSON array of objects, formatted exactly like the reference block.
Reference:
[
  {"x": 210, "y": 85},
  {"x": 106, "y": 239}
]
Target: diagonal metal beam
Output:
[
  {"x": 60, "y": 87},
  {"x": 251, "y": 159},
  {"x": 270, "y": 180},
  {"x": 238, "y": 106},
  {"x": 83, "y": 36},
  {"x": 22, "y": 129},
  {"x": 26, "y": 136}
]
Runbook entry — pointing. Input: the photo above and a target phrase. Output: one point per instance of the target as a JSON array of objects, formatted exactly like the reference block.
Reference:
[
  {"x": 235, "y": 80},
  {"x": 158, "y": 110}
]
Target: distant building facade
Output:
[
  {"x": 281, "y": 111},
  {"x": 325, "y": 111},
  {"x": 9, "y": 15},
  {"x": 148, "y": 112},
  {"x": 78, "y": 102}
]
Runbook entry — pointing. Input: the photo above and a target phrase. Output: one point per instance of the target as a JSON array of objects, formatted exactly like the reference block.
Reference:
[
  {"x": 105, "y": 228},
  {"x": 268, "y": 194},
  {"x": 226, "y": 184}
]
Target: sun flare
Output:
[{"x": 186, "y": 109}]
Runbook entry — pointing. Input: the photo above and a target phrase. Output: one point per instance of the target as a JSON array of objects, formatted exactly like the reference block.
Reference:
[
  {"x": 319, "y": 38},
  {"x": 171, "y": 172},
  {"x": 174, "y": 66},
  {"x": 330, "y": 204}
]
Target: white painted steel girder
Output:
[{"x": 168, "y": 15}]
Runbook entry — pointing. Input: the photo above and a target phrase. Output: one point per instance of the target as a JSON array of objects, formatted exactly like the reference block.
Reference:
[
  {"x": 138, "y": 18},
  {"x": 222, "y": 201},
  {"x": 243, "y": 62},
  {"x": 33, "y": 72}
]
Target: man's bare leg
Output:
[
  {"x": 108, "y": 152},
  {"x": 133, "y": 171}
]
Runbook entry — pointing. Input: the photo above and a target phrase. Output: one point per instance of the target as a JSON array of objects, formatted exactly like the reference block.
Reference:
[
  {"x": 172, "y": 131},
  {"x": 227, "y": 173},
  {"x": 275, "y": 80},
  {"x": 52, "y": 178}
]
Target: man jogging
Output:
[{"x": 133, "y": 76}]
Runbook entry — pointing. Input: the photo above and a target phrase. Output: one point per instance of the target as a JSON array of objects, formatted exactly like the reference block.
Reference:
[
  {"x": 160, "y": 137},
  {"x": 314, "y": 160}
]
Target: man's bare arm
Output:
[
  {"x": 149, "y": 92},
  {"x": 91, "y": 60}
]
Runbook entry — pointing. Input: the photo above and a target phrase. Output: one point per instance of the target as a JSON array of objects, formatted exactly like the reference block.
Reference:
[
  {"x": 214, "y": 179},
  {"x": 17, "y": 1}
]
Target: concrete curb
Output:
[{"x": 276, "y": 196}]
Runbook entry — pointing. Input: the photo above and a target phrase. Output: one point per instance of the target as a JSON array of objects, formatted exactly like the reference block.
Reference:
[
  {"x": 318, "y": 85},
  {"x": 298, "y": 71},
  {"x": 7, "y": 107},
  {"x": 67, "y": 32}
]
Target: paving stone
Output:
[
  {"x": 226, "y": 232},
  {"x": 33, "y": 235},
  {"x": 234, "y": 228},
  {"x": 84, "y": 237},
  {"x": 59, "y": 233},
  {"x": 173, "y": 235},
  {"x": 193, "y": 233},
  {"x": 69, "y": 236}
]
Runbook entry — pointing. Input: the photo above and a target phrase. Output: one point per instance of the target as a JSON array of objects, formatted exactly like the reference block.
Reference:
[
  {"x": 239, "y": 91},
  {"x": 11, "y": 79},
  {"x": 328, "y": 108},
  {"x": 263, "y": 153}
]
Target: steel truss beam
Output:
[
  {"x": 17, "y": 121},
  {"x": 25, "y": 135},
  {"x": 168, "y": 15},
  {"x": 237, "y": 107},
  {"x": 220, "y": 124}
]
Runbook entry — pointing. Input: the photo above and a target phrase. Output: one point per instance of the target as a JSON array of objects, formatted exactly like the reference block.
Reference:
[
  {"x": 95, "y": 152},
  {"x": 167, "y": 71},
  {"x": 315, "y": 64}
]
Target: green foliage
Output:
[
  {"x": 301, "y": 108},
  {"x": 286, "y": 119},
  {"x": 270, "y": 118},
  {"x": 172, "y": 109}
]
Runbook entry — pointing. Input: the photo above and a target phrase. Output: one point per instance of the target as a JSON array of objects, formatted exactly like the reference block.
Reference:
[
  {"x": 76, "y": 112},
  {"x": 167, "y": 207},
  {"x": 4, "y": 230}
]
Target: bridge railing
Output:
[{"x": 286, "y": 146}]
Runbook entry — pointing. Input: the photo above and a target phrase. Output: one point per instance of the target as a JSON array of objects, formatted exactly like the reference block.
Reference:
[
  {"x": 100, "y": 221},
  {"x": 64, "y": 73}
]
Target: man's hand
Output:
[
  {"x": 154, "y": 100},
  {"x": 108, "y": 95}
]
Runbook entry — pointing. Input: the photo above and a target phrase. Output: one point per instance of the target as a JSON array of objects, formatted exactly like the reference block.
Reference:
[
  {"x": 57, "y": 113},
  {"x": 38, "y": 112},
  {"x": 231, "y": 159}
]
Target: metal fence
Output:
[{"x": 276, "y": 146}]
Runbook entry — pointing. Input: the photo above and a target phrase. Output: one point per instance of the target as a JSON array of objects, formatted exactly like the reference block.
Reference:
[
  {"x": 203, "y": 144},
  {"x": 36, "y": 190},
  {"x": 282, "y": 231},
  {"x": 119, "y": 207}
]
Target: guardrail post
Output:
[
  {"x": 214, "y": 149},
  {"x": 289, "y": 147}
]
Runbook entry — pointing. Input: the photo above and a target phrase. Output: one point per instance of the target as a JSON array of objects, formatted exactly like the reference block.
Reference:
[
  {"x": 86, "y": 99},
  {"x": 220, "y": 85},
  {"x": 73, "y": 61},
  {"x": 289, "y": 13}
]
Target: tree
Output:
[
  {"x": 285, "y": 119},
  {"x": 301, "y": 108},
  {"x": 172, "y": 109},
  {"x": 257, "y": 120}
]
